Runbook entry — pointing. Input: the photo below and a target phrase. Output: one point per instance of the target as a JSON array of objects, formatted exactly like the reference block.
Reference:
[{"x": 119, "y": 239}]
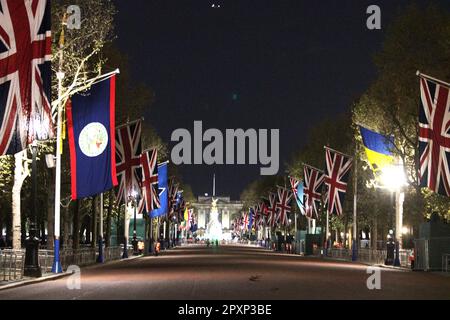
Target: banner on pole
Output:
[
  {"x": 163, "y": 192},
  {"x": 91, "y": 126}
]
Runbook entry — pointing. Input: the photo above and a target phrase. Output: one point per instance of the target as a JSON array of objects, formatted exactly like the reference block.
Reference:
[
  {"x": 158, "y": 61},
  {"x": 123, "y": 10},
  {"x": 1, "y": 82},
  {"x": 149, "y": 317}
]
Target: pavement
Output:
[{"x": 234, "y": 272}]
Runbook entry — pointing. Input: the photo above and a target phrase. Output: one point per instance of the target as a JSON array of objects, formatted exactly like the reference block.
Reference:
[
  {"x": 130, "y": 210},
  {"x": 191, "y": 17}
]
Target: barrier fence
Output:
[
  {"x": 12, "y": 261},
  {"x": 11, "y": 264},
  {"x": 365, "y": 255}
]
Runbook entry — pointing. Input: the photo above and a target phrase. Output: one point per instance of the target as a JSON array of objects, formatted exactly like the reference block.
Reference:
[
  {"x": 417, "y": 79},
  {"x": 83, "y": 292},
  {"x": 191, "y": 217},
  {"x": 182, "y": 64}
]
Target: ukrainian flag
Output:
[{"x": 378, "y": 149}]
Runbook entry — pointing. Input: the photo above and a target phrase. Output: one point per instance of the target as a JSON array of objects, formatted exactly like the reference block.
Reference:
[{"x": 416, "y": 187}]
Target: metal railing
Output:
[
  {"x": 370, "y": 255},
  {"x": 11, "y": 264},
  {"x": 12, "y": 261}
]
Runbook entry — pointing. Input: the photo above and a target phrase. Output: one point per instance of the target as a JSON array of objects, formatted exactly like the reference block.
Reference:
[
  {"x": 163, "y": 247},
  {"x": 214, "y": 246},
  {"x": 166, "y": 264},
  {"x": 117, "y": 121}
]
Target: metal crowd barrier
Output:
[
  {"x": 12, "y": 261},
  {"x": 11, "y": 264}
]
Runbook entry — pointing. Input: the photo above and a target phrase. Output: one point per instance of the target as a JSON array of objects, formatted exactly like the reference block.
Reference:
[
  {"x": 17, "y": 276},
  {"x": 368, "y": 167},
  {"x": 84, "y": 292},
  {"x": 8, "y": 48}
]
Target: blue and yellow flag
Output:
[{"x": 378, "y": 148}]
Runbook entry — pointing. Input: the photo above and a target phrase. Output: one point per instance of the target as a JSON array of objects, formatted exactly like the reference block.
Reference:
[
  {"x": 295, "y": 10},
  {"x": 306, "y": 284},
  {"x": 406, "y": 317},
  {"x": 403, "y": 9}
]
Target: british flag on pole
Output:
[
  {"x": 173, "y": 200},
  {"x": 150, "y": 192},
  {"x": 283, "y": 205},
  {"x": 338, "y": 170},
  {"x": 434, "y": 136},
  {"x": 128, "y": 159},
  {"x": 314, "y": 179},
  {"x": 25, "y": 54},
  {"x": 272, "y": 216},
  {"x": 244, "y": 221}
]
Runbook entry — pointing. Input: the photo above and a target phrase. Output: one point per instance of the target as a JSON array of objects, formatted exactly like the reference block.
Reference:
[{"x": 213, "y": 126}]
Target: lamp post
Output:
[
  {"x": 56, "y": 267},
  {"x": 125, "y": 237},
  {"x": 393, "y": 178},
  {"x": 32, "y": 268},
  {"x": 134, "y": 242}
]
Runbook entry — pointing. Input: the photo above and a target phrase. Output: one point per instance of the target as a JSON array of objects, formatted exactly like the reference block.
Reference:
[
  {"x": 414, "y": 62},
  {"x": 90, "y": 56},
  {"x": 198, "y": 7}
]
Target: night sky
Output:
[{"x": 249, "y": 64}]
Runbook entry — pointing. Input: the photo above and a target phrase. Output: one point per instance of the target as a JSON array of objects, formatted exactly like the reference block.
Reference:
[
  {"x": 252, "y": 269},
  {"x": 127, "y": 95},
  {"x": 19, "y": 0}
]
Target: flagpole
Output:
[
  {"x": 295, "y": 232},
  {"x": 355, "y": 201},
  {"x": 338, "y": 152},
  {"x": 309, "y": 166},
  {"x": 419, "y": 74},
  {"x": 87, "y": 83},
  {"x": 100, "y": 258},
  {"x": 56, "y": 267},
  {"x": 328, "y": 231}
]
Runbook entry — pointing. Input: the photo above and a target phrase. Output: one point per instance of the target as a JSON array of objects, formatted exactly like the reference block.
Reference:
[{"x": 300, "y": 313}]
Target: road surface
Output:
[{"x": 235, "y": 272}]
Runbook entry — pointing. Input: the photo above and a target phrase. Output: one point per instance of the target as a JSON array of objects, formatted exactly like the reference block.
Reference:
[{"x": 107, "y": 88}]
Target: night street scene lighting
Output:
[{"x": 222, "y": 158}]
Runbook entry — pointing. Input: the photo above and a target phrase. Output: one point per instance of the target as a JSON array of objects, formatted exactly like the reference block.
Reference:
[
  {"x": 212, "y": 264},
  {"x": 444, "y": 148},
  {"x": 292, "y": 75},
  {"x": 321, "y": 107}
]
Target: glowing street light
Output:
[
  {"x": 405, "y": 230},
  {"x": 393, "y": 177}
]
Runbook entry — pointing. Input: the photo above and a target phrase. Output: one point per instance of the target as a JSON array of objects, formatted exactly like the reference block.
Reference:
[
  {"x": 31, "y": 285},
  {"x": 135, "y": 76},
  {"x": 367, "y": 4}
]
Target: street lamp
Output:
[
  {"x": 32, "y": 268},
  {"x": 125, "y": 237},
  {"x": 393, "y": 178},
  {"x": 134, "y": 241}
]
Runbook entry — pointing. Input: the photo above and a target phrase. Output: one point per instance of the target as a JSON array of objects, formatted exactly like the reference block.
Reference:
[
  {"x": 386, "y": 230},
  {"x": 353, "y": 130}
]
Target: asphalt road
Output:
[{"x": 235, "y": 272}]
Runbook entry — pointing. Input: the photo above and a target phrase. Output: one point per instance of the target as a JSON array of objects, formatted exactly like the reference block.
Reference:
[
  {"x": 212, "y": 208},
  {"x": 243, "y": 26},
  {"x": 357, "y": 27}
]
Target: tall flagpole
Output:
[
  {"x": 100, "y": 258},
  {"x": 56, "y": 268},
  {"x": 214, "y": 185},
  {"x": 355, "y": 199},
  {"x": 328, "y": 232}
]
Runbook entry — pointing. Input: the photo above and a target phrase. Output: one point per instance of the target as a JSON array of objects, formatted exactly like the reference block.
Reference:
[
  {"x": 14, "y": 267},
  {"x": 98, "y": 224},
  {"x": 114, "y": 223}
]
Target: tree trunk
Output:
[
  {"x": 1, "y": 222},
  {"x": 87, "y": 224},
  {"x": 21, "y": 171},
  {"x": 108, "y": 218},
  {"x": 345, "y": 233},
  {"x": 95, "y": 202},
  {"x": 76, "y": 225},
  {"x": 23, "y": 229},
  {"x": 9, "y": 230},
  {"x": 375, "y": 232},
  {"x": 118, "y": 227}
]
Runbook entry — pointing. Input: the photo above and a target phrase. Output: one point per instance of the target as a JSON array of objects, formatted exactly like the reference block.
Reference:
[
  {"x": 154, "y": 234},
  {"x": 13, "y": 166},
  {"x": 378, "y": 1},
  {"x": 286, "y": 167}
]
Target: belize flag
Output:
[
  {"x": 163, "y": 192},
  {"x": 91, "y": 126}
]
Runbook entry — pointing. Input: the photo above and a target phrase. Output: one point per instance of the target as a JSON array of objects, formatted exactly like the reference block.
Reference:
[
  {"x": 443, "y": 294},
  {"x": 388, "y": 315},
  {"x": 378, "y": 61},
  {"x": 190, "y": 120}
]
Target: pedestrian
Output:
[
  {"x": 2, "y": 242},
  {"x": 157, "y": 247}
]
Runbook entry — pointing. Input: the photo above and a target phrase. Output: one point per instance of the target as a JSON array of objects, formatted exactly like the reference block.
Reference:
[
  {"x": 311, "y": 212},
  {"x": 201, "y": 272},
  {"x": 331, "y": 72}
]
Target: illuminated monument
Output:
[
  {"x": 214, "y": 227},
  {"x": 214, "y": 216}
]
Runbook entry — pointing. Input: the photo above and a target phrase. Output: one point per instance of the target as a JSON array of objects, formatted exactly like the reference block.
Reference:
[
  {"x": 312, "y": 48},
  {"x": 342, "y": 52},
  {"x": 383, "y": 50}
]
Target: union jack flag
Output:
[
  {"x": 260, "y": 211},
  {"x": 150, "y": 192},
  {"x": 272, "y": 210},
  {"x": 434, "y": 136},
  {"x": 314, "y": 179},
  {"x": 338, "y": 169},
  {"x": 283, "y": 205},
  {"x": 173, "y": 192},
  {"x": 25, "y": 54},
  {"x": 245, "y": 221},
  {"x": 128, "y": 160}
]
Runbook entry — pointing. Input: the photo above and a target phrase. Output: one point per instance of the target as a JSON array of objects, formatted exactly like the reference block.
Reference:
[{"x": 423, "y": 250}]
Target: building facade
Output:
[{"x": 228, "y": 210}]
